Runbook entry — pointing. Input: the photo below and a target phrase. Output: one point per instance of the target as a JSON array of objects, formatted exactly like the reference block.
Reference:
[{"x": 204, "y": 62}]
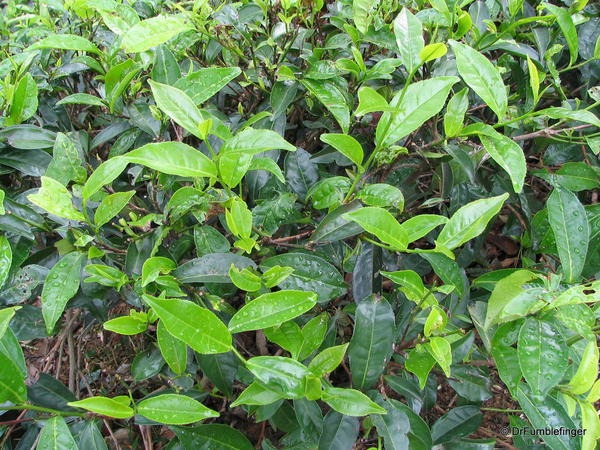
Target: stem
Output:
[
  {"x": 42, "y": 409},
  {"x": 502, "y": 410}
]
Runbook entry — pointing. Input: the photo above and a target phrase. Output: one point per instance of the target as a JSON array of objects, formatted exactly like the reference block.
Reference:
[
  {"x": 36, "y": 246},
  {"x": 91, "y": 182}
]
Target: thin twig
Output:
[{"x": 548, "y": 132}]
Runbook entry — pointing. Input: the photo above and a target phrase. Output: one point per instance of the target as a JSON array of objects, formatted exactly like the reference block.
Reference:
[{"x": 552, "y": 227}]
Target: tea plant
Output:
[{"x": 290, "y": 224}]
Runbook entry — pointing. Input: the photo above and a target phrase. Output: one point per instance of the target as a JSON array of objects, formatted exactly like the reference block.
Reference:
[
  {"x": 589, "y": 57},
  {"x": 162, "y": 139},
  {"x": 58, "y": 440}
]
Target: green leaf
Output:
[
  {"x": 372, "y": 340},
  {"x": 447, "y": 270},
  {"x": 432, "y": 51},
  {"x": 382, "y": 224},
  {"x": 198, "y": 327},
  {"x": 66, "y": 42},
  {"x": 173, "y": 409},
  {"x": 392, "y": 427},
  {"x": 548, "y": 413},
  {"x": 458, "y": 422},
  {"x": 214, "y": 436},
  {"x": 56, "y": 199},
  {"x": 282, "y": 375},
  {"x": 211, "y": 268},
  {"x": 6, "y": 314},
  {"x": 361, "y": 13},
  {"x": 174, "y": 158},
  {"x": 412, "y": 287},
  {"x": 104, "y": 174},
  {"x": 172, "y": 349},
  {"x": 350, "y": 402},
  {"x": 440, "y": 349},
  {"x": 587, "y": 371},
  {"x": 339, "y": 432},
  {"x": 313, "y": 334},
  {"x": 311, "y": 274},
  {"x": 288, "y": 336},
  {"x": 55, "y": 435},
  {"x": 245, "y": 279},
  {"x": 220, "y": 369},
  {"x": 105, "y": 406},
  {"x": 206, "y": 82},
  {"x": 455, "y": 112},
  {"x": 178, "y": 106},
  {"x": 208, "y": 240},
  {"x": 469, "y": 221},
  {"x": 153, "y": 32},
  {"x": 328, "y": 360},
  {"x": 6, "y": 257},
  {"x": 481, "y": 76},
  {"x": 66, "y": 164},
  {"x": 346, "y": 145},
  {"x": 61, "y": 284},
  {"x": 571, "y": 229},
  {"x": 508, "y": 154},
  {"x": 333, "y": 98},
  {"x": 369, "y": 100},
  {"x": 12, "y": 380},
  {"x": 421, "y": 101},
  {"x": 565, "y": 22},
  {"x": 24, "y": 101},
  {"x": 269, "y": 165},
  {"x": 165, "y": 69},
  {"x": 543, "y": 355},
  {"x": 271, "y": 309},
  {"x": 409, "y": 38},
  {"x": 577, "y": 294},
  {"x": 110, "y": 206}
]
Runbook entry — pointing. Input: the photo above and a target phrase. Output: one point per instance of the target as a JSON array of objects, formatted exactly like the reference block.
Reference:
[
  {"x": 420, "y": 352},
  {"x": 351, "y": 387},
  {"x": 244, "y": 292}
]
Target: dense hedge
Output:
[{"x": 294, "y": 224}]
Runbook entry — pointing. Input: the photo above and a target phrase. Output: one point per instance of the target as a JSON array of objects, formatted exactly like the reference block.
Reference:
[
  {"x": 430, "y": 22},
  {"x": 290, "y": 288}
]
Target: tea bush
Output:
[{"x": 293, "y": 224}]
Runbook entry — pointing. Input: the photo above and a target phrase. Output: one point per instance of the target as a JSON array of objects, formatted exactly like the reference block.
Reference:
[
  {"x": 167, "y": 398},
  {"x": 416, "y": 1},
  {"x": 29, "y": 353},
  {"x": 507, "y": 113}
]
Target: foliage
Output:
[{"x": 308, "y": 215}]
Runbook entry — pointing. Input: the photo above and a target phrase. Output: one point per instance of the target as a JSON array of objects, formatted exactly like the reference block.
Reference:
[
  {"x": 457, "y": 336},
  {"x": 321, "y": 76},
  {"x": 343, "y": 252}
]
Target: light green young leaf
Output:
[
  {"x": 571, "y": 229},
  {"x": 256, "y": 394},
  {"x": 5, "y": 259},
  {"x": 173, "y": 409},
  {"x": 440, "y": 349},
  {"x": 580, "y": 115},
  {"x": 174, "y": 158},
  {"x": 346, "y": 145},
  {"x": 104, "y": 174},
  {"x": 56, "y": 199},
  {"x": 383, "y": 195},
  {"x": 433, "y": 51},
  {"x": 436, "y": 321},
  {"x": 409, "y": 38},
  {"x": 55, "y": 435},
  {"x": 245, "y": 279},
  {"x": 481, "y": 76},
  {"x": 66, "y": 42},
  {"x": 153, "y": 32},
  {"x": 282, "y": 375},
  {"x": 155, "y": 266},
  {"x": 328, "y": 360},
  {"x": 24, "y": 101},
  {"x": 125, "y": 325},
  {"x": 12, "y": 380},
  {"x": 271, "y": 309},
  {"x": 412, "y": 287},
  {"x": 361, "y": 13},
  {"x": 507, "y": 289},
  {"x": 418, "y": 226},
  {"x": 239, "y": 219},
  {"x": 105, "y": 406},
  {"x": 178, "y": 106},
  {"x": 587, "y": 371},
  {"x": 469, "y": 221},
  {"x": 198, "y": 327},
  {"x": 382, "y": 224},
  {"x": 350, "y": 402},
  {"x": 6, "y": 314},
  {"x": 61, "y": 284},
  {"x": 172, "y": 349},
  {"x": 455, "y": 113},
  {"x": 110, "y": 206},
  {"x": 422, "y": 100},
  {"x": 369, "y": 100},
  {"x": 590, "y": 422},
  {"x": 534, "y": 79},
  {"x": 269, "y": 165}
]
